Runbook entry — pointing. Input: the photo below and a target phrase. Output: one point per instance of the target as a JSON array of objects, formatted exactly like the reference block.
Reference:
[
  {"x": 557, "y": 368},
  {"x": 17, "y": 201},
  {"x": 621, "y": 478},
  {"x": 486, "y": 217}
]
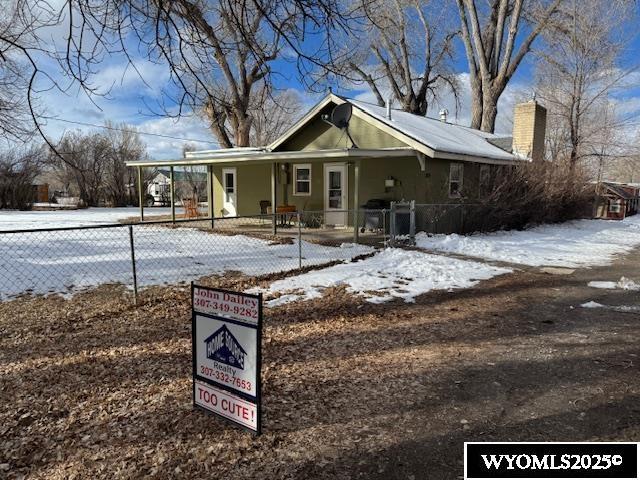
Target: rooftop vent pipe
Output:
[
  {"x": 389, "y": 108},
  {"x": 443, "y": 115}
]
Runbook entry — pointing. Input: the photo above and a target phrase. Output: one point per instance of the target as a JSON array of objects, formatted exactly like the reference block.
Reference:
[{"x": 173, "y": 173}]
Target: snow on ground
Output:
[
  {"x": 578, "y": 243},
  {"x": 592, "y": 304},
  {"x": 391, "y": 273},
  {"x": 602, "y": 284},
  {"x": 624, "y": 284},
  {"x": 17, "y": 220},
  {"x": 616, "y": 308},
  {"x": 63, "y": 261}
]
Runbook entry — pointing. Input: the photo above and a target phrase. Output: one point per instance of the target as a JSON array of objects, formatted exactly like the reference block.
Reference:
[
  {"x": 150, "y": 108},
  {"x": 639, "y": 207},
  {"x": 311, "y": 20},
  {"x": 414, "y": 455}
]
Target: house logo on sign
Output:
[{"x": 223, "y": 347}]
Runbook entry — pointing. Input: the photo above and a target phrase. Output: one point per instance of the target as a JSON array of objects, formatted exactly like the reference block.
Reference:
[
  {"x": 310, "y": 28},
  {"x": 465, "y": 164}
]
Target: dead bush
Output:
[{"x": 534, "y": 193}]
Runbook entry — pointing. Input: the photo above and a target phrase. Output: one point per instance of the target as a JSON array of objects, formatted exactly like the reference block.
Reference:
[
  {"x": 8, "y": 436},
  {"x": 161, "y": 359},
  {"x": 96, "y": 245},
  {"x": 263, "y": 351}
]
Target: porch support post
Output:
[
  {"x": 356, "y": 199},
  {"x": 274, "y": 197},
  {"x": 140, "y": 194},
  {"x": 172, "y": 193},
  {"x": 210, "y": 206}
]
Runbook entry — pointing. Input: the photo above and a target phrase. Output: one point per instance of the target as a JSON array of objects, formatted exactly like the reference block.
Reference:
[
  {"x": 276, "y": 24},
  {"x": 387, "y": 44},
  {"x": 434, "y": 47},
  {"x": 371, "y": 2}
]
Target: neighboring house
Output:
[
  {"x": 47, "y": 186},
  {"x": 616, "y": 201},
  {"x": 40, "y": 192},
  {"x": 384, "y": 154},
  {"x": 185, "y": 181}
]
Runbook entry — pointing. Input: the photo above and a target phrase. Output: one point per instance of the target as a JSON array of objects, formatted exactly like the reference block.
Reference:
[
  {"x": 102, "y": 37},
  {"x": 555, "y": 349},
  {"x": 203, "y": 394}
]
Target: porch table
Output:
[{"x": 286, "y": 214}]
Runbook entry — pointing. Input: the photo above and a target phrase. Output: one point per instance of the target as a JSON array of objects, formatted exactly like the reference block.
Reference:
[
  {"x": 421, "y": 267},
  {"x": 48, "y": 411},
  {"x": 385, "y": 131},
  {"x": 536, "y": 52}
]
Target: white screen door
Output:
[
  {"x": 335, "y": 193},
  {"x": 229, "y": 192}
]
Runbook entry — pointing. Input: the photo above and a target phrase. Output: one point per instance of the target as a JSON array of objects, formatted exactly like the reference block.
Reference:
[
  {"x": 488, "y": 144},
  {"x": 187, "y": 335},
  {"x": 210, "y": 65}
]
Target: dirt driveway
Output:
[{"x": 93, "y": 388}]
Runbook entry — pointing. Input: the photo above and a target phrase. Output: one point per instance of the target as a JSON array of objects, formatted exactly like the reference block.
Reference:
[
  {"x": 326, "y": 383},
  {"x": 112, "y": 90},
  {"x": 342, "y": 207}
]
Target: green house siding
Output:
[
  {"x": 437, "y": 182},
  {"x": 253, "y": 184},
  {"x": 318, "y": 135},
  {"x": 411, "y": 183},
  {"x": 409, "y": 179},
  {"x": 315, "y": 201}
]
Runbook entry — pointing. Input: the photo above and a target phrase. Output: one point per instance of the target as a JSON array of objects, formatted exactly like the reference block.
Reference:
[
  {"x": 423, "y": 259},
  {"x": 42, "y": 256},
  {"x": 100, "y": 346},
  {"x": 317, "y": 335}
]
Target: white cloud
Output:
[
  {"x": 141, "y": 74},
  {"x": 191, "y": 128}
]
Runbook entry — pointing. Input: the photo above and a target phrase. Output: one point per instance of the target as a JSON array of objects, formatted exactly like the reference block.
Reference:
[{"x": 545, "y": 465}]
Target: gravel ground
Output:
[{"x": 95, "y": 388}]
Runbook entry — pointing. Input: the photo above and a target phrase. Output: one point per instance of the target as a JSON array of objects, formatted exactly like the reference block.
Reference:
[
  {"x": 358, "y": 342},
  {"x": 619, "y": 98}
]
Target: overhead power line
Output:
[{"x": 106, "y": 127}]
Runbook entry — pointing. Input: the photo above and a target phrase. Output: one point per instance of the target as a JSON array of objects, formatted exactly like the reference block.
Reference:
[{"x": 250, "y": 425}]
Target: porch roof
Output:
[{"x": 258, "y": 155}]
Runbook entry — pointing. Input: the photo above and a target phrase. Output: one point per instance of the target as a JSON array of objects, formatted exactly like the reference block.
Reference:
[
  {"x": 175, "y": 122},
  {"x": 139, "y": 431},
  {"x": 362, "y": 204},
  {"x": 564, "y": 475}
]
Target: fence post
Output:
[
  {"x": 299, "y": 241},
  {"x": 172, "y": 192},
  {"x": 412, "y": 221},
  {"x": 392, "y": 224},
  {"x": 384, "y": 228},
  {"x": 210, "y": 194},
  {"x": 133, "y": 266}
]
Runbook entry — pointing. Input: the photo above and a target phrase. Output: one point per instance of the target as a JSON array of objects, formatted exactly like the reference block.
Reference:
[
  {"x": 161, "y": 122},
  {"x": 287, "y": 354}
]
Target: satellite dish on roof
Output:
[{"x": 341, "y": 115}]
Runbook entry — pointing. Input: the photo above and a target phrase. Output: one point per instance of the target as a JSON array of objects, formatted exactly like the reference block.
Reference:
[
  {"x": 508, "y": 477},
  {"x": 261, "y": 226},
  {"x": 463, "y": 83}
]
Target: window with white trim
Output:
[
  {"x": 455, "y": 180},
  {"x": 302, "y": 179},
  {"x": 615, "y": 206}
]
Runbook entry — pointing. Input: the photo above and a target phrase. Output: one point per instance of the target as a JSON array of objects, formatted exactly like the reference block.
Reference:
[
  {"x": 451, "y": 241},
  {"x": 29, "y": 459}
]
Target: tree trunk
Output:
[
  {"x": 489, "y": 113},
  {"x": 476, "y": 103},
  {"x": 490, "y": 97},
  {"x": 221, "y": 135},
  {"x": 243, "y": 130}
]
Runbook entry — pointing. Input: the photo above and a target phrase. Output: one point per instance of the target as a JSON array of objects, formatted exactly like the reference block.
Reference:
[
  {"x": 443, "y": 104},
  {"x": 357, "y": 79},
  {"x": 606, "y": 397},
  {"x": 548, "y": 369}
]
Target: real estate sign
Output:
[{"x": 226, "y": 337}]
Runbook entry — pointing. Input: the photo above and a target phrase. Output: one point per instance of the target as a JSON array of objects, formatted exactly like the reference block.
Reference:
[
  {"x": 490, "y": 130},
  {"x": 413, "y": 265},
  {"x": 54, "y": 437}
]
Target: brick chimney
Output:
[{"x": 529, "y": 125}]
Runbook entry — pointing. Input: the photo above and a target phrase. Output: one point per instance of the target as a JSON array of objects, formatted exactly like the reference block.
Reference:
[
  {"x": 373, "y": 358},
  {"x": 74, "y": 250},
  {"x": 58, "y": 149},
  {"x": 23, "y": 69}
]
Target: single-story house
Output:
[
  {"x": 187, "y": 183},
  {"x": 345, "y": 152},
  {"x": 616, "y": 201}
]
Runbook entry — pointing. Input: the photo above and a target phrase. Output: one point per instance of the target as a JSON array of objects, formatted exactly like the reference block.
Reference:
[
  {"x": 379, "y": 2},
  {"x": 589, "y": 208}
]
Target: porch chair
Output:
[
  {"x": 265, "y": 205},
  {"x": 190, "y": 207}
]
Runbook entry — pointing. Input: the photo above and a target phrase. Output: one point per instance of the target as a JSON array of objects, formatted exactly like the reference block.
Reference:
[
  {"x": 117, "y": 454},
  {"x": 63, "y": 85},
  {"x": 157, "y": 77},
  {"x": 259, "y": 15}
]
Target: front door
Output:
[
  {"x": 229, "y": 192},
  {"x": 335, "y": 194}
]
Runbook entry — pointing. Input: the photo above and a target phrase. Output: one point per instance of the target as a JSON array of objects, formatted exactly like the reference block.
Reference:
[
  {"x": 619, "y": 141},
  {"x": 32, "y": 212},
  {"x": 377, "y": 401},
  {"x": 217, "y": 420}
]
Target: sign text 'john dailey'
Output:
[{"x": 226, "y": 354}]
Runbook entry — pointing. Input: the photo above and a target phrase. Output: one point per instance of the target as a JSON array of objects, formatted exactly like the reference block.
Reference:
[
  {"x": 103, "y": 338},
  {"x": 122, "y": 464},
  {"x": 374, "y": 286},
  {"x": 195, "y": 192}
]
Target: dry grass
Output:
[{"x": 94, "y": 388}]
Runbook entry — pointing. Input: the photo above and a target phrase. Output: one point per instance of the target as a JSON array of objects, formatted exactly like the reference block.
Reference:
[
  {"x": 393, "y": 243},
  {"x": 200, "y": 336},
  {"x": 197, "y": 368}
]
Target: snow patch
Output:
[
  {"x": 572, "y": 244},
  {"x": 592, "y": 304},
  {"x": 604, "y": 285},
  {"x": 624, "y": 284},
  {"x": 390, "y": 274},
  {"x": 628, "y": 284}
]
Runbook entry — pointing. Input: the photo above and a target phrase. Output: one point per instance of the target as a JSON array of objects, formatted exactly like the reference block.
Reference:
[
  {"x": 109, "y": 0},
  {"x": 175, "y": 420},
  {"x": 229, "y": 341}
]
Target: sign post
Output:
[{"x": 226, "y": 346}]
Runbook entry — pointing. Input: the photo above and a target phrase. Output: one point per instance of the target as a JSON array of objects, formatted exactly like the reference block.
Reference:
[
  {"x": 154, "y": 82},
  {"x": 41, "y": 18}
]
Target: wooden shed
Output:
[{"x": 616, "y": 201}]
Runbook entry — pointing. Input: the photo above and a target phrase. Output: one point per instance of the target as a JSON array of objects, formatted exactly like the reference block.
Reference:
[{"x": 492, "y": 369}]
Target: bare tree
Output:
[
  {"x": 124, "y": 145},
  {"x": 577, "y": 73},
  {"x": 19, "y": 168},
  {"x": 82, "y": 162},
  {"x": 217, "y": 51},
  {"x": 496, "y": 39},
  {"x": 274, "y": 115},
  {"x": 625, "y": 168},
  {"x": 407, "y": 50},
  {"x": 14, "y": 77}
]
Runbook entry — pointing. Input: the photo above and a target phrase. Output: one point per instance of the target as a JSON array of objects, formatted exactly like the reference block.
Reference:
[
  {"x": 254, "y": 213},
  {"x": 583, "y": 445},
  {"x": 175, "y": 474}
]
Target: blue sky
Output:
[{"x": 132, "y": 100}]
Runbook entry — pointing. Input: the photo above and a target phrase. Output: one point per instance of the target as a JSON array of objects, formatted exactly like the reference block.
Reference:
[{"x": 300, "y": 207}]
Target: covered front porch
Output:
[{"x": 309, "y": 189}]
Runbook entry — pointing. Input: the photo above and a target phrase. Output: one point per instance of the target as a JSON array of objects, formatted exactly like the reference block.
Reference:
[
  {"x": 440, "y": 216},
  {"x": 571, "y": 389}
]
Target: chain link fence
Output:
[
  {"x": 408, "y": 218},
  {"x": 65, "y": 260}
]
